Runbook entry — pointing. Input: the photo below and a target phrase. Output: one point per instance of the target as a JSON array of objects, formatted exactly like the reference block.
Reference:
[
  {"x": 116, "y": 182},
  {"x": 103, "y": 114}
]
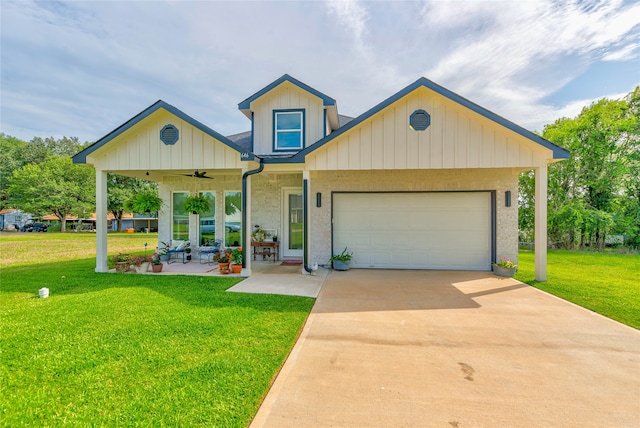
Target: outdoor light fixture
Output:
[
  {"x": 507, "y": 198},
  {"x": 318, "y": 199}
]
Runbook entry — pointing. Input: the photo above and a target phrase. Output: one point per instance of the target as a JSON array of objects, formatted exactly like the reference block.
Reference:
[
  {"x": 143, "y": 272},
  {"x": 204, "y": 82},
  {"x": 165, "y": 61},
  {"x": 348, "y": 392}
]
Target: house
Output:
[
  {"x": 13, "y": 219},
  {"x": 130, "y": 221},
  {"x": 424, "y": 180}
]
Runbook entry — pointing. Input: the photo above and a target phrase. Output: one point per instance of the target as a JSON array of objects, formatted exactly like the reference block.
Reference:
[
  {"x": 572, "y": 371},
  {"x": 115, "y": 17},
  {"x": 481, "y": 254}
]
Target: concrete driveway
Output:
[{"x": 453, "y": 349}]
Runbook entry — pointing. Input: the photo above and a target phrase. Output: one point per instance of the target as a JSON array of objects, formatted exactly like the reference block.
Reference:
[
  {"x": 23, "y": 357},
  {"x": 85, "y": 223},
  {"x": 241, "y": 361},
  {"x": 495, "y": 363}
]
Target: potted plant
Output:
[
  {"x": 140, "y": 263},
  {"x": 275, "y": 238},
  {"x": 197, "y": 204},
  {"x": 505, "y": 267},
  {"x": 156, "y": 263},
  {"x": 236, "y": 258},
  {"x": 341, "y": 261},
  {"x": 223, "y": 258},
  {"x": 147, "y": 201},
  {"x": 163, "y": 252},
  {"x": 121, "y": 261}
]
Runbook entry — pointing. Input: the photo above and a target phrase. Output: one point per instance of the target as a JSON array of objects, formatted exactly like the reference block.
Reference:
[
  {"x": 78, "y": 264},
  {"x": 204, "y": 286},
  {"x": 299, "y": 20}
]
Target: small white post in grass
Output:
[{"x": 43, "y": 293}]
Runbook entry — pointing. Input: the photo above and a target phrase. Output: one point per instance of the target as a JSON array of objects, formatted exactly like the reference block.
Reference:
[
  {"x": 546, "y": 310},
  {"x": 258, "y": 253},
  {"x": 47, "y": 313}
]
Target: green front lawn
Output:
[
  {"x": 127, "y": 349},
  {"x": 606, "y": 283}
]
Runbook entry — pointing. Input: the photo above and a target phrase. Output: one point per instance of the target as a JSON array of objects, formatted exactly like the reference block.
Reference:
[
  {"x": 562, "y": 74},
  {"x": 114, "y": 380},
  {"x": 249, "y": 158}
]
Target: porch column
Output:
[
  {"x": 101, "y": 221},
  {"x": 541, "y": 224},
  {"x": 247, "y": 227}
]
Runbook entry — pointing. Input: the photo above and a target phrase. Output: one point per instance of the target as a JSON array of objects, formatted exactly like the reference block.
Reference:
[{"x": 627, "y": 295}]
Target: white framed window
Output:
[
  {"x": 179, "y": 217},
  {"x": 288, "y": 130}
]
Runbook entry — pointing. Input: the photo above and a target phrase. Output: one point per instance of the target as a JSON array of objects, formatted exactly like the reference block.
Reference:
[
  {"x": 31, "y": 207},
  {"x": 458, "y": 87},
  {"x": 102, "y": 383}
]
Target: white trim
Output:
[
  {"x": 300, "y": 130},
  {"x": 173, "y": 192}
]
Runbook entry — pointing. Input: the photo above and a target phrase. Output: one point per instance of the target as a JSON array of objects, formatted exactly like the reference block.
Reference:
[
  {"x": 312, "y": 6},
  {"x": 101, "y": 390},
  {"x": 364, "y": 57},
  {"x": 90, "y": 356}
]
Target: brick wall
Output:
[{"x": 499, "y": 180}]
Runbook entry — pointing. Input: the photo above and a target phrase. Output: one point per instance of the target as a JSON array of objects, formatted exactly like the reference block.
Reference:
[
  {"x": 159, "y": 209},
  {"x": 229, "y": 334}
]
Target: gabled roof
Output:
[
  {"x": 558, "y": 152},
  {"x": 328, "y": 102},
  {"x": 245, "y": 105},
  {"x": 81, "y": 158}
]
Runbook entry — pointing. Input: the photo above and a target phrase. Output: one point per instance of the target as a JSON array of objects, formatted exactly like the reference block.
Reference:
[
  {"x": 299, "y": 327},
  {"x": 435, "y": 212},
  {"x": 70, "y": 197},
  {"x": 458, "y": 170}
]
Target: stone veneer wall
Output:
[{"x": 499, "y": 180}]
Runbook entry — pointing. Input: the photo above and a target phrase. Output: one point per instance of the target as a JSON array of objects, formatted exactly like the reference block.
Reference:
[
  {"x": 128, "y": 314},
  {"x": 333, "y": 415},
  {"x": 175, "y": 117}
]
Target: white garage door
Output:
[{"x": 448, "y": 230}]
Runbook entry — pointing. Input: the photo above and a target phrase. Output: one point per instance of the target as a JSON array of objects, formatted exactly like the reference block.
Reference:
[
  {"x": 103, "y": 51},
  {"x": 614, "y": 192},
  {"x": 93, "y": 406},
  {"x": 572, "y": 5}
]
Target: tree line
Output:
[
  {"x": 596, "y": 192},
  {"x": 593, "y": 194},
  {"x": 39, "y": 177}
]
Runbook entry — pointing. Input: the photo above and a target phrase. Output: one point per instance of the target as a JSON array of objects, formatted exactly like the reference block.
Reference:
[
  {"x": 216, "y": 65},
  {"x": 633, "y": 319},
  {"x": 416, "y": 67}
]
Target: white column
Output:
[
  {"x": 101, "y": 222},
  {"x": 541, "y": 224},
  {"x": 248, "y": 229}
]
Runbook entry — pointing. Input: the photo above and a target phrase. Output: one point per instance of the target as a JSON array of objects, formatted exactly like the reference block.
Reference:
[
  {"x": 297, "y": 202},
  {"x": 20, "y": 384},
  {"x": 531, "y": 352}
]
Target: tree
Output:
[
  {"x": 596, "y": 191},
  {"x": 54, "y": 186},
  {"x": 121, "y": 189}
]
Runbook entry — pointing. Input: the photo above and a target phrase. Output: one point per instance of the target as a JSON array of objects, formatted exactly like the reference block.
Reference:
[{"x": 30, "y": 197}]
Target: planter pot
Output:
[
  {"x": 165, "y": 257},
  {"x": 142, "y": 268},
  {"x": 340, "y": 265},
  {"x": 122, "y": 266},
  {"x": 504, "y": 271},
  {"x": 223, "y": 267},
  {"x": 157, "y": 268},
  {"x": 236, "y": 268}
]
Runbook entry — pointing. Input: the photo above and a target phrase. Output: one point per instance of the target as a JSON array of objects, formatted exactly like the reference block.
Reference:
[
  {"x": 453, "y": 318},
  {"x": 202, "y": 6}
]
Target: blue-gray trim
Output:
[
  {"x": 305, "y": 227},
  {"x": 558, "y": 152},
  {"x": 273, "y": 130},
  {"x": 324, "y": 122},
  {"x": 419, "y": 120},
  {"x": 494, "y": 227},
  {"x": 81, "y": 158},
  {"x": 169, "y": 141},
  {"x": 326, "y": 100}
]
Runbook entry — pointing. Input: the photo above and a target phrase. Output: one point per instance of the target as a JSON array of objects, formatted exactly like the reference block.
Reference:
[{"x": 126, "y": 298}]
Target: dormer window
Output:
[{"x": 288, "y": 130}]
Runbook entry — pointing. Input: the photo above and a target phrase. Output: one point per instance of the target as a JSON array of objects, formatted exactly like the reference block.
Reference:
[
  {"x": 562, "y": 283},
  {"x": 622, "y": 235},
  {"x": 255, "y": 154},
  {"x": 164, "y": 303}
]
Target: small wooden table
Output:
[{"x": 268, "y": 245}]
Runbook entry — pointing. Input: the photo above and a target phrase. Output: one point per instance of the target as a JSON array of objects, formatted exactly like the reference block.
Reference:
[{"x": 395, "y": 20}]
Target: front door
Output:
[{"x": 291, "y": 240}]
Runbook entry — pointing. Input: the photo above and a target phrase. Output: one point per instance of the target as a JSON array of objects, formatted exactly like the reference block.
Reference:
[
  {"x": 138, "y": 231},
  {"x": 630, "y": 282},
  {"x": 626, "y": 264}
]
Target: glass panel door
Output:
[{"x": 293, "y": 224}]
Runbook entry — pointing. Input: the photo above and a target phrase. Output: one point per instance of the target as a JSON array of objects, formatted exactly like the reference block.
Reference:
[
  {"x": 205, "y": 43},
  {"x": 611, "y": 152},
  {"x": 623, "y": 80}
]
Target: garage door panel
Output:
[{"x": 448, "y": 230}]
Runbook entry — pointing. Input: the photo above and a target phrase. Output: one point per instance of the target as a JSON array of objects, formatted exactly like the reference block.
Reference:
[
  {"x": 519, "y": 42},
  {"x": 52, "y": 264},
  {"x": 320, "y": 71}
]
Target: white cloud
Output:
[{"x": 83, "y": 68}]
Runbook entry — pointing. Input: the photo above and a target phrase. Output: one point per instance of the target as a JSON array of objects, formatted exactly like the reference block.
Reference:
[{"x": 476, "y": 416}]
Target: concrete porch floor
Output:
[{"x": 266, "y": 278}]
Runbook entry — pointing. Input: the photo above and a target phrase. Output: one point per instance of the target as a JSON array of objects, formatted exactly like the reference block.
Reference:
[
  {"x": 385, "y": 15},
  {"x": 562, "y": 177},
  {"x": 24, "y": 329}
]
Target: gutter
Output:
[
  {"x": 247, "y": 242},
  {"x": 305, "y": 227}
]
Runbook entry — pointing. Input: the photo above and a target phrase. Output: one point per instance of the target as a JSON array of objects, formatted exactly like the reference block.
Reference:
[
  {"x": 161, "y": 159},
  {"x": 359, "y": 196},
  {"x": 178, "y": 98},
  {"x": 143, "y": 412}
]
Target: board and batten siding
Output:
[
  {"x": 140, "y": 148},
  {"x": 457, "y": 138},
  {"x": 284, "y": 97}
]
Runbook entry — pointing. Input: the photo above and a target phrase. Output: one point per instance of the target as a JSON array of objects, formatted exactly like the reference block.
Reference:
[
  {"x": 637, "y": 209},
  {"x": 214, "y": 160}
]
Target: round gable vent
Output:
[
  {"x": 169, "y": 135},
  {"x": 419, "y": 120}
]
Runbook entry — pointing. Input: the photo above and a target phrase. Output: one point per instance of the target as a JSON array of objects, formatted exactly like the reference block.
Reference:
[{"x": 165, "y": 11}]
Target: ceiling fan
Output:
[{"x": 198, "y": 174}]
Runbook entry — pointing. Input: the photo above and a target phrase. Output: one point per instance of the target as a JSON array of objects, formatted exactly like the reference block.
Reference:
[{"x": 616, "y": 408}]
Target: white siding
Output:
[
  {"x": 140, "y": 148},
  {"x": 285, "y": 96},
  {"x": 457, "y": 138}
]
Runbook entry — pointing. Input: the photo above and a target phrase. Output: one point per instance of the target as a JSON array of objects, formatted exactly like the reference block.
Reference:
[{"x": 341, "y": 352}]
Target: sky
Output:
[{"x": 83, "y": 68}]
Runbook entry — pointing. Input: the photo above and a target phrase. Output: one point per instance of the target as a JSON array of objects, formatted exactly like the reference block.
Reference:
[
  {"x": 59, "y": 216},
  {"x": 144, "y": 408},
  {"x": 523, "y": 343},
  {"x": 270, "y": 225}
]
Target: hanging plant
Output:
[
  {"x": 147, "y": 201},
  {"x": 196, "y": 204}
]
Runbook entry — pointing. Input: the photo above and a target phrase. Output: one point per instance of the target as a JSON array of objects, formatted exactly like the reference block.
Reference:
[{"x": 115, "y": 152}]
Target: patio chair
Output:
[
  {"x": 179, "y": 247},
  {"x": 209, "y": 249}
]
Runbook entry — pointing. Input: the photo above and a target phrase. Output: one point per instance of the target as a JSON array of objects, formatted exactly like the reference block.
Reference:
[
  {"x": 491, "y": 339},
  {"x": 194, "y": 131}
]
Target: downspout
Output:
[
  {"x": 305, "y": 227},
  {"x": 246, "y": 242}
]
